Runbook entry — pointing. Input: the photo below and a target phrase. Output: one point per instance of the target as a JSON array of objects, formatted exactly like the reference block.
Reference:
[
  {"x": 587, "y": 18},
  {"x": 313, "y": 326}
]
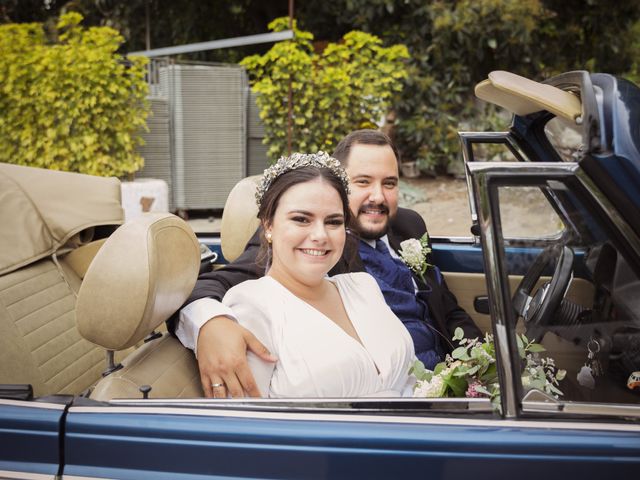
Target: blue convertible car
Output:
[{"x": 91, "y": 387}]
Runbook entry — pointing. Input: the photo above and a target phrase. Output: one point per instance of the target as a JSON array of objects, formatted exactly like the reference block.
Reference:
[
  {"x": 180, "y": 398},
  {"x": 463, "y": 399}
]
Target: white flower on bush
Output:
[{"x": 413, "y": 253}]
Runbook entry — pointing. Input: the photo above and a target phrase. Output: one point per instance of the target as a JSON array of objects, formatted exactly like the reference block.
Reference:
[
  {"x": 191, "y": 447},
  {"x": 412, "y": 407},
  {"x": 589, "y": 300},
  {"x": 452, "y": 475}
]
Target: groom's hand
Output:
[{"x": 222, "y": 359}]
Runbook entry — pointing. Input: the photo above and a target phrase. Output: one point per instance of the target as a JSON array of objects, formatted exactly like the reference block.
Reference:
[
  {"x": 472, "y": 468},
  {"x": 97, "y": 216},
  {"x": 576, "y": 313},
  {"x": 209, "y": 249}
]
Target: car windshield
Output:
[{"x": 582, "y": 304}]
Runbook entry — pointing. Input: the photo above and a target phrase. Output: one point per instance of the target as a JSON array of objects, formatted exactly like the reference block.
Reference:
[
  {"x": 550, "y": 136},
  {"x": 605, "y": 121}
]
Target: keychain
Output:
[{"x": 592, "y": 368}]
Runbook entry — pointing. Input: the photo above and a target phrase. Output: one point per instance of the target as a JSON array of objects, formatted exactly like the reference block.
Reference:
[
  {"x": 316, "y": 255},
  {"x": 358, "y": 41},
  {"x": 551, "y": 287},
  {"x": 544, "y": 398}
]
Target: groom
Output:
[{"x": 428, "y": 309}]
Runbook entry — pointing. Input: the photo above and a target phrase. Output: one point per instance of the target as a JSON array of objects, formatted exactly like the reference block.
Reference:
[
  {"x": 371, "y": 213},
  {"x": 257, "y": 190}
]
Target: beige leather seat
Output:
[
  {"x": 141, "y": 275},
  {"x": 48, "y": 221},
  {"x": 239, "y": 218}
]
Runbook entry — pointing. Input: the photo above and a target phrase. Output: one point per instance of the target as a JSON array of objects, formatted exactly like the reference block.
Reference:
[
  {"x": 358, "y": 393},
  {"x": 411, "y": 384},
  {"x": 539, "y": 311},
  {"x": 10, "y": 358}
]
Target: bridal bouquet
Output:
[{"x": 470, "y": 371}]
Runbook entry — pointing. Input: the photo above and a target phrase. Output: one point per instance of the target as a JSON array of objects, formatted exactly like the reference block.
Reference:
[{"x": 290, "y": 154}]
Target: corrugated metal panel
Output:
[
  {"x": 157, "y": 148},
  {"x": 208, "y": 130},
  {"x": 256, "y": 128},
  {"x": 257, "y": 159}
]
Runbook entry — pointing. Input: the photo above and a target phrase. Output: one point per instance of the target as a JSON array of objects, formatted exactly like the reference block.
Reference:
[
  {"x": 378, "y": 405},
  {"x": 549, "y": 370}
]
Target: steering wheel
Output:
[{"x": 538, "y": 310}]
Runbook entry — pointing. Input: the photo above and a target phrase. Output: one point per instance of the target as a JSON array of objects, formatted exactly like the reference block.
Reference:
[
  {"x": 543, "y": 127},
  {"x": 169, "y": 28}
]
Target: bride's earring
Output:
[{"x": 268, "y": 237}]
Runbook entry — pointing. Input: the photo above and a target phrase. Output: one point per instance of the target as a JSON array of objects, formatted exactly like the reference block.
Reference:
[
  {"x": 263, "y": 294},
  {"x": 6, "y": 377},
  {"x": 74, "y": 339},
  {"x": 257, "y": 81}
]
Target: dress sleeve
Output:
[
  {"x": 194, "y": 316},
  {"x": 256, "y": 316}
]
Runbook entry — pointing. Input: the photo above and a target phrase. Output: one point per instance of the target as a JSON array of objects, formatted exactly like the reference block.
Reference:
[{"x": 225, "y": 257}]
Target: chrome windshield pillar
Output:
[{"x": 484, "y": 178}]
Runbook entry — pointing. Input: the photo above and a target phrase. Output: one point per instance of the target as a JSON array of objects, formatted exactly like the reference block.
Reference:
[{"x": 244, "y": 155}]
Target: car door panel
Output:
[
  {"x": 30, "y": 439},
  {"x": 182, "y": 443}
]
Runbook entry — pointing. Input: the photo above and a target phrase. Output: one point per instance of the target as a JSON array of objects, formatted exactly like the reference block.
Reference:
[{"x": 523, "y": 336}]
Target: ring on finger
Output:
[{"x": 217, "y": 385}]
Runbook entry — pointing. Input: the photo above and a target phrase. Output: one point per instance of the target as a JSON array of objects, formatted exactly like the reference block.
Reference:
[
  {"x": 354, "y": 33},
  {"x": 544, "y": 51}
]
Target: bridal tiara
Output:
[{"x": 300, "y": 160}]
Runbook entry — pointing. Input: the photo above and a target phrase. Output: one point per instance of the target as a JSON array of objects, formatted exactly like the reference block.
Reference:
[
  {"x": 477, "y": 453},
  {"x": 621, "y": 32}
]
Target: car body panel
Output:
[
  {"x": 178, "y": 443},
  {"x": 31, "y": 434}
]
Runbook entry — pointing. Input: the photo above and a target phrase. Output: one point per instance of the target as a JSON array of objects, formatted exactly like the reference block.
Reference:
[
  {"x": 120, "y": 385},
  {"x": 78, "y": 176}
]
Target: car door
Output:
[
  {"x": 31, "y": 438},
  {"x": 439, "y": 439}
]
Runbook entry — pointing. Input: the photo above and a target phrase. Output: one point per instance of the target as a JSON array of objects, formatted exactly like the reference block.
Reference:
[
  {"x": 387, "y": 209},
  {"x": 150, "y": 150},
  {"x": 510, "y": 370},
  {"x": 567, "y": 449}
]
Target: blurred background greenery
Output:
[{"x": 452, "y": 45}]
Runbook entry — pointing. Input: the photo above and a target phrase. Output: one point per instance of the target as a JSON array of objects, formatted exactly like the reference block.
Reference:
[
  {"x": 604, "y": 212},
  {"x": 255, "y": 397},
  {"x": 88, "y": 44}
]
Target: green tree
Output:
[
  {"x": 453, "y": 44},
  {"x": 70, "y": 102},
  {"x": 462, "y": 42},
  {"x": 349, "y": 85}
]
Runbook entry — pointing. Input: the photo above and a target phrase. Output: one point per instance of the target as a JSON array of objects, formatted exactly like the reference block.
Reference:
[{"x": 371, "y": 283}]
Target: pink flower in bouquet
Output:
[{"x": 472, "y": 390}]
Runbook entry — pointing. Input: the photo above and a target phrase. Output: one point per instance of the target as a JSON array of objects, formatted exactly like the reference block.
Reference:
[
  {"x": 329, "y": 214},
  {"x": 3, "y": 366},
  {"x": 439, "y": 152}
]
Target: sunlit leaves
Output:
[
  {"x": 350, "y": 85},
  {"x": 73, "y": 104}
]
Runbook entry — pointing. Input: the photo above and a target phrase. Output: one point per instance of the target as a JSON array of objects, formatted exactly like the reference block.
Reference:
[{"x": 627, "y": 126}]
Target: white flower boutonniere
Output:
[{"x": 413, "y": 253}]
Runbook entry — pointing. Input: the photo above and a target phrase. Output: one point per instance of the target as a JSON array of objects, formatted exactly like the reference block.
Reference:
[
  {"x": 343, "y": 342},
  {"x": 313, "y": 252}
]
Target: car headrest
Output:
[
  {"x": 142, "y": 274},
  {"x": 239, "y": 218},
  {"x": 522, "y": 96}
]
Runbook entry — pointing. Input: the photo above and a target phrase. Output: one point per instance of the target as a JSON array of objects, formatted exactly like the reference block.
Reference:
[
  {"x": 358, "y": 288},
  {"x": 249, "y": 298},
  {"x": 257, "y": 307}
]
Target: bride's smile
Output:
[{"x": 307, "y": 233}]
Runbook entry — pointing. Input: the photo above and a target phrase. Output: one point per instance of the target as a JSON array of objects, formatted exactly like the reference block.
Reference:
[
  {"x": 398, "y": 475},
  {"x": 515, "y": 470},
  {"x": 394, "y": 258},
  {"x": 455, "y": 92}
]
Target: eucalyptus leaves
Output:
[{"x": 470, "y": 371}]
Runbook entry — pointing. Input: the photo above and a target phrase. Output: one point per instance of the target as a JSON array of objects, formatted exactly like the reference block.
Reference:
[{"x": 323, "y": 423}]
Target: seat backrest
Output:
[
  {"x": 39, "y": 342},
  {"x": 141, "y": 276},
  {"x": 48, "y": 217},
  {"x": 239, "y": 218}
]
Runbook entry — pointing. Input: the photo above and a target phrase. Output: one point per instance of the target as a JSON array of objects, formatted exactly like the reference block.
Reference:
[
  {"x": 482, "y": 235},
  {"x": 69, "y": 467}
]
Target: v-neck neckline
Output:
[{"x": 361, "y": 344}]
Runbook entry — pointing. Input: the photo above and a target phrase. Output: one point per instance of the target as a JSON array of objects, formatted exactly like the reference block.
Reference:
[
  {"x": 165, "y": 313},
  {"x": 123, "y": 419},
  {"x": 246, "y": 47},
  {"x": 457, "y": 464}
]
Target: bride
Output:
[{"x": 333, "y": 337}]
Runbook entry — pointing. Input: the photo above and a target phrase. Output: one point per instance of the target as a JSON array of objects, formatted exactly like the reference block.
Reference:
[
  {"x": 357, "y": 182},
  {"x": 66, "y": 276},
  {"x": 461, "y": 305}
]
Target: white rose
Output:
[
  {"x": 425, "y": 389},
  {"x": 412, "y": 253}
]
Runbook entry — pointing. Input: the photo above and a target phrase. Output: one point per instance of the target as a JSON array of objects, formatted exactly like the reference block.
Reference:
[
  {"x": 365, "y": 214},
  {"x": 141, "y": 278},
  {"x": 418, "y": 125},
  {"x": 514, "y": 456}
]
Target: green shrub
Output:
[
  {"x": 350, "y": 85},
  {"x": 70, "y": 102},
  {"x": 463, "y": 42}
]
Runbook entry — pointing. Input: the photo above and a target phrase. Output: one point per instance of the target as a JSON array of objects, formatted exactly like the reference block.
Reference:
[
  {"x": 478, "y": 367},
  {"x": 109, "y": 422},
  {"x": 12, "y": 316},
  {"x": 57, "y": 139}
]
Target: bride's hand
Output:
[{"x": 222, "y": 359}]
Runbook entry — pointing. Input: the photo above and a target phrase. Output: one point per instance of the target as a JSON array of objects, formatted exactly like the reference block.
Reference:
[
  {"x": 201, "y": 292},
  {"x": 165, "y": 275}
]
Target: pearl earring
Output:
[{"x": 268, "y": 237}]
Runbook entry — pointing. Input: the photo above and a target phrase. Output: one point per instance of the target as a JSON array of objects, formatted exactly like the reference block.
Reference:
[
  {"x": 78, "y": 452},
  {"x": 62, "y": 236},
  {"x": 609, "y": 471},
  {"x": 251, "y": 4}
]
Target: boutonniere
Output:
[{"x": 413, "y": 252}]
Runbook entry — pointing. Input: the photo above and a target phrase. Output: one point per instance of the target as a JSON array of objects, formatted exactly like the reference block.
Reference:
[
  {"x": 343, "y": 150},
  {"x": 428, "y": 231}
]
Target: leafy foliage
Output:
[
  {"x": 350, "y": 85},
  {"x": 461, "y": 43},
  {"x": 70, "y": 102},
  {"x": 175, "y": 22},
  {"x": 470, "y": 371},
  {"x": 454, "y": 44}
]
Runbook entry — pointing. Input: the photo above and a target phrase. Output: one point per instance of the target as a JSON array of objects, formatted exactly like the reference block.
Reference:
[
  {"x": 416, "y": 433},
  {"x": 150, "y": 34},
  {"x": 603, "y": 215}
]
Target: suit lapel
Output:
[{"x": 394, "y": 241}]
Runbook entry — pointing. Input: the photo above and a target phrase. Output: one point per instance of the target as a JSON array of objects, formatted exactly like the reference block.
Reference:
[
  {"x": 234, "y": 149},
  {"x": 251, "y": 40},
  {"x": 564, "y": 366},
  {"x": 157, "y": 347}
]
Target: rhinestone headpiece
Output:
[{"x": 300, "y": 160}]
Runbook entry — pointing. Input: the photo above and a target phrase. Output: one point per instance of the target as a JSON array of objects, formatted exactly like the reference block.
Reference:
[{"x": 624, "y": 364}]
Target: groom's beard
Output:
[{"x": 370, "y": 228}]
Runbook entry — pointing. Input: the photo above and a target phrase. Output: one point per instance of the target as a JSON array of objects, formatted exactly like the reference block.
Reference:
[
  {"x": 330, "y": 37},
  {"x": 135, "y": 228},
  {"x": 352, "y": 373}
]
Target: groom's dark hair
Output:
[{"x": 363, "y": 137}]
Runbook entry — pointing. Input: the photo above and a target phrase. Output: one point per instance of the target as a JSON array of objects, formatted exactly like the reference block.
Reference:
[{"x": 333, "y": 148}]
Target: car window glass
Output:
[
  {"x": 443, "y": 203},
  {"x": 566, "y": 138},
  {"x": 593, "y": 331},
  {"x": 492, "y": 152},
  {"x": 443, "y": 200},
  {"x": 526, "y": 213}
]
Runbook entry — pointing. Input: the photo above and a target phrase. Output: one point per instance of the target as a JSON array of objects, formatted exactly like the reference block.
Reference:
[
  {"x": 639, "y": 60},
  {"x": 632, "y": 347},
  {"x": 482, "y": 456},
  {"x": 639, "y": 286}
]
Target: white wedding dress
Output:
[{"x": 317, "y": 358}]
